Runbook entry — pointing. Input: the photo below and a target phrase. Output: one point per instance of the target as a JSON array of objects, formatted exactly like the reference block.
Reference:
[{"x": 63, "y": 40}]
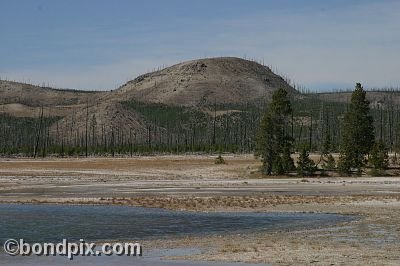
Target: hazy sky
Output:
[{"x": 95, "y": 44}]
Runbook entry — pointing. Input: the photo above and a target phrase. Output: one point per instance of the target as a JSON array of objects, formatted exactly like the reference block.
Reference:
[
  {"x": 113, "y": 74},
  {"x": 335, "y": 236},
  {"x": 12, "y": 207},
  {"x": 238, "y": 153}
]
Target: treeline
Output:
[
  {"x": 211, "y": 128},
  {"x": 22, "y": 136},
  {"x": 315, "y": 120},
  {"x": 169, "y": 129}
]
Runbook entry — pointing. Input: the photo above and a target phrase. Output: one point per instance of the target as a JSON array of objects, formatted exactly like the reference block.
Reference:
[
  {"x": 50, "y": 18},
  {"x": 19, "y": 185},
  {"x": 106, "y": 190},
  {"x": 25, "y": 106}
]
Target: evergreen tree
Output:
[
  {"x": 274, "y": 143},
  {"x": 326, "y": 156},
  {"x": 396, "y": 146},
  {"x": 287, "y": 160},
  {"x": 329, "y": 162},
  {"x": 358, "y": 133},
  {"x": 305, "y": 166},
  {"x": 379, "y": 158},
  {"x": 327, "y": 145}
]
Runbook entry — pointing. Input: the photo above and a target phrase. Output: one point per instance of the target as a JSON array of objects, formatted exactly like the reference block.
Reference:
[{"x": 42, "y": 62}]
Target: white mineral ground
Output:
[{"x": 195, "y": 183}]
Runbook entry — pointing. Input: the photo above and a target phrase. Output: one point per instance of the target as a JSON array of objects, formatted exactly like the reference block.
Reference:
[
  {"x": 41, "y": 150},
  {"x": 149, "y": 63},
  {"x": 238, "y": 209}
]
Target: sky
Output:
[{"x": 100, "y": 45}]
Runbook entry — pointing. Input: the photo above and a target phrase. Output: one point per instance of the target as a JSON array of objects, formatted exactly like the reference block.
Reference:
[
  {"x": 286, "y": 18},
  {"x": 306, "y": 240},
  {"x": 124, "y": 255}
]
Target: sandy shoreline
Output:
[{"x": 196, "y": 183}]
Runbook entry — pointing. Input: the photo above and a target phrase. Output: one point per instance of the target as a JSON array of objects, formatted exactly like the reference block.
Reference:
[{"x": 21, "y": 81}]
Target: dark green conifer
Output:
[
  {"x": 379, "y": 159},
  {"x": 305, "y": 166},
  {"x": 274, "y": 144},
  {"x": 358, "y": 133}
]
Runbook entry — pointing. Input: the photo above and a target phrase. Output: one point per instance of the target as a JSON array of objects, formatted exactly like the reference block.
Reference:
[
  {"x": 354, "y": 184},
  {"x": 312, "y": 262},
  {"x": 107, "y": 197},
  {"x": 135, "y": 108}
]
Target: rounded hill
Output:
[{"x": 205, "y": 81}]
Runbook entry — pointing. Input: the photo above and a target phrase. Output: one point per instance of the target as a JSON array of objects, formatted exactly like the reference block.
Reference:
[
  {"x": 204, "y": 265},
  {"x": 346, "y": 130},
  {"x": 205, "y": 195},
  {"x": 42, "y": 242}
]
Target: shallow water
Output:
[
  {"x": 152, "y": 257},
  {"x": 52, "y": 223},
  {"x": 106, "y": 261}
]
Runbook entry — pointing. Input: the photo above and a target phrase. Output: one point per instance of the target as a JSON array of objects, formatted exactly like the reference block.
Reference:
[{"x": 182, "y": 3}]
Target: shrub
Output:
[{"x": 219, "y": 160}]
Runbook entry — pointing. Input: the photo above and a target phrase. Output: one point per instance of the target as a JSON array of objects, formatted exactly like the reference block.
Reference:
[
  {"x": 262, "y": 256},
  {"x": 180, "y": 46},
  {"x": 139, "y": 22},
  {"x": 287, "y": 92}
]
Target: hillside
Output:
[
  {"x": 26, "y": 100},
  {"x": 215, "y": 101},
  {"x": 225, "y": 80}
]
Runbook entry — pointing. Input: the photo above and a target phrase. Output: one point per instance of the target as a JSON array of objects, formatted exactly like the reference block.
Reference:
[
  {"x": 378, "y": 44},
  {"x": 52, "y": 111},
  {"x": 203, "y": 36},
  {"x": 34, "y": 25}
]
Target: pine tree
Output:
[
  {"x": 287, "y": 160},
  {"x": 326, "y": 156},
  {"x": 379, "y": 159},
  {"x": 274, "y": 143},
  {"x": 358, "y": 133},
  {"x": 329, "y": 162},
  {"x": 305, "y": 166},
  {"x": 327, "y": 145}
]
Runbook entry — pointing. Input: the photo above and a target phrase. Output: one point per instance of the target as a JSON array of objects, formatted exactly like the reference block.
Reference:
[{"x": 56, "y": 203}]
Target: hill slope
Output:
[
  {"x": 25, "y": 100},
  {"x": 193, "y": 84},
  {"x": 205, "y": 81},
  {"x": 142, "y": 108}
]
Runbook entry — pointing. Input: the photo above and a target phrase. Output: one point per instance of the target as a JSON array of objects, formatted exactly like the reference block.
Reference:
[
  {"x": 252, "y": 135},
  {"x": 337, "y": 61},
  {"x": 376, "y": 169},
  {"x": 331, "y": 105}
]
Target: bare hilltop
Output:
[{"x": 205, "y": 81}]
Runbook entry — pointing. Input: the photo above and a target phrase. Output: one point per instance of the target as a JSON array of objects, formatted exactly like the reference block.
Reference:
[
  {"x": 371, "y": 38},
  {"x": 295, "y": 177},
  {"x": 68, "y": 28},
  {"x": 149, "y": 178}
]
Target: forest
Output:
[{"x": 211, "y": 128}]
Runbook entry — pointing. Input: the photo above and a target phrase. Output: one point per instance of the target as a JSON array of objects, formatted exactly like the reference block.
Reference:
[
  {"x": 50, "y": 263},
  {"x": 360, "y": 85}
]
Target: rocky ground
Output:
[{"x": 195, "y": 183}]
